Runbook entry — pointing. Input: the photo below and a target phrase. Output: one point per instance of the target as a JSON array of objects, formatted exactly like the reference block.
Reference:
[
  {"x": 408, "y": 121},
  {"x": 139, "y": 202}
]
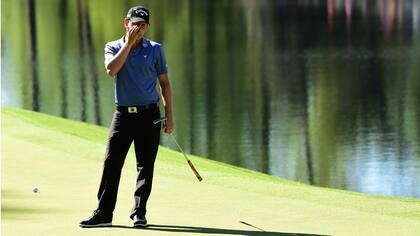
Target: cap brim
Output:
[{"x": 136, "y": 19}]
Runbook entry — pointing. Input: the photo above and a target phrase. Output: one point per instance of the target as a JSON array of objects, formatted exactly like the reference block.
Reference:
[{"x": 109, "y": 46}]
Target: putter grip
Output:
[{"x": 195, "y": 171}]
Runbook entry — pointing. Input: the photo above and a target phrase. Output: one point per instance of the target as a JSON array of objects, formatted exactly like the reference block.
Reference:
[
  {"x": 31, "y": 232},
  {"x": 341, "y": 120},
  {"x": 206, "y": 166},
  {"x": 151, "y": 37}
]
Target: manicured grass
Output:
[{"x": 63, "y": 159}]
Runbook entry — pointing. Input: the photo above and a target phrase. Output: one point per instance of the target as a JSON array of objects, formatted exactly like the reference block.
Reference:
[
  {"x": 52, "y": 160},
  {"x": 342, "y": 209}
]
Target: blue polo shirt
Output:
[{"x": 135, "y": 83}]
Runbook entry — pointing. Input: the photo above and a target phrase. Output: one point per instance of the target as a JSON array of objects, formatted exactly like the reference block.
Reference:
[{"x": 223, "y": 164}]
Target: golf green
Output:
[{"x": 63, "y": 159}]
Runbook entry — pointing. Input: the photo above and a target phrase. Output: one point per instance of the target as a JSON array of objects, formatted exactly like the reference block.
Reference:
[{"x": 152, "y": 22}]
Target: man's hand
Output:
[
  {"x": 132, "y": 35},
  {"x": 169, "y": 125}
]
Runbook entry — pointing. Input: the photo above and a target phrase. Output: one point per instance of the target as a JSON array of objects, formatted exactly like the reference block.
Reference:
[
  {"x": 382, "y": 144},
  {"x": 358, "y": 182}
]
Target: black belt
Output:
[{"x": 137, "y": 109}]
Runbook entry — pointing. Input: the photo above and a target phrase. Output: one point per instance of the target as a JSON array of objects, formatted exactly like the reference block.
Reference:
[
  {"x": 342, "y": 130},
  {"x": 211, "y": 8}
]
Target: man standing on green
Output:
[{"x": 136, "y": 64}]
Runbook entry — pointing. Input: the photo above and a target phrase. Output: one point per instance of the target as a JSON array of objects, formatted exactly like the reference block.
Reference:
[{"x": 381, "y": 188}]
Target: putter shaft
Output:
[
  {"x": 186, "y": 158},
  {"x": 162, "y": 121}
]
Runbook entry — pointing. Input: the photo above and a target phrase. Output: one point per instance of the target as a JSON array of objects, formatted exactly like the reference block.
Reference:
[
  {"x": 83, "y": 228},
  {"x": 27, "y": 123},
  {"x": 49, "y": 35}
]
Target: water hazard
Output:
[{"x": 321, "y": 92}]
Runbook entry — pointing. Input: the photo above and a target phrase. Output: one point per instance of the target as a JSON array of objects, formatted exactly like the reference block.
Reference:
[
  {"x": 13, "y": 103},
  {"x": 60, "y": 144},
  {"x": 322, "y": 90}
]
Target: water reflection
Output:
[
  {"x": 322, "y": 92},
  {"x": 63, "y": 51},
  {"x": 391, "y": 13},
  {"x": 33, "y": 56}
]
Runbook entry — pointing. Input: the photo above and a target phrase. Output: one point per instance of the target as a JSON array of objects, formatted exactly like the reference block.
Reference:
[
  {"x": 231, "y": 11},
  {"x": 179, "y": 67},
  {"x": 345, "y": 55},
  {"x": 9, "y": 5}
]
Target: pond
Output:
[{"x": 320, "y": 92}]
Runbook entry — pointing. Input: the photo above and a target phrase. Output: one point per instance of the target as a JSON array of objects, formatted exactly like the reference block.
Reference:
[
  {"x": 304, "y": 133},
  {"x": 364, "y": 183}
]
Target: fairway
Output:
[{"x": 63, "y": 159}]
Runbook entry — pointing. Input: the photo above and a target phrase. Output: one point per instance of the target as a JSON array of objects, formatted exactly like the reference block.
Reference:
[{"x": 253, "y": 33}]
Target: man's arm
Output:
[
  {"x": 165, "y": 86},
  {"x": 115, "y": 64}
]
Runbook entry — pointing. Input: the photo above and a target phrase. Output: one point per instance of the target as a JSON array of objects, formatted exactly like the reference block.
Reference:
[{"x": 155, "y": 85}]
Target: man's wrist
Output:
[
  {"x": 127, "y": 45},
  {"x": 126, "y": 42},
  {"x": 168, "y": 114}
]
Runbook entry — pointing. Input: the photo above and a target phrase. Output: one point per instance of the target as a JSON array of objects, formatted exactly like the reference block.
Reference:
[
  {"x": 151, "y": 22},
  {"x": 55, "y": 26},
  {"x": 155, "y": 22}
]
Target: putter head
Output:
[{"x": 161, "y": 119}]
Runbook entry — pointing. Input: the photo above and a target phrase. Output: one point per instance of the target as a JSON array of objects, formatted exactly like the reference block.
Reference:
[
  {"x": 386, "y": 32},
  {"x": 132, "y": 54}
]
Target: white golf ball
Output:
[{"x": 35, "y": 190}]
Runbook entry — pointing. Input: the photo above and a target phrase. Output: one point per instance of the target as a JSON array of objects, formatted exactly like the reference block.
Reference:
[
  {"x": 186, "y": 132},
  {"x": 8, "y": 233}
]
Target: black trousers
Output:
[{"x": 125, "y": 128}]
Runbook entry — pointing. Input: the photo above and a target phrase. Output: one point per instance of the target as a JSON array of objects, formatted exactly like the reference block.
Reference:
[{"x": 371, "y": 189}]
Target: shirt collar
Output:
[{"x": 145, "y": 42}]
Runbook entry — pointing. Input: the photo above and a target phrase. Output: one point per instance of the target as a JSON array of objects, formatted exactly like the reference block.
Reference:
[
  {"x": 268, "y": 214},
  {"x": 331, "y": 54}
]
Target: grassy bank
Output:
[{"x": 63, "y": 159}]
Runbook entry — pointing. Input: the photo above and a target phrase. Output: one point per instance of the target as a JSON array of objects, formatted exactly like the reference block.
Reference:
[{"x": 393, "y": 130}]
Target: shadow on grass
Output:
[
  {"x": 204, "y": 230},
  {"x": 15, "y": 212},
  {"x": 15, "y": 206},
  {"x": 12, "y": 194}
]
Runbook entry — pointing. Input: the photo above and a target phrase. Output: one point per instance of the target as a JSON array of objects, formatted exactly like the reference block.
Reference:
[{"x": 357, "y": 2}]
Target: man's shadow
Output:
[{"x": 205, "y": 230}]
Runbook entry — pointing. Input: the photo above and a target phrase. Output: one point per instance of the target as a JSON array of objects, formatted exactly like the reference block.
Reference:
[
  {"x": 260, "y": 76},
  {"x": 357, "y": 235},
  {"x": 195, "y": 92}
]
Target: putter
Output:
[{"x": 162, "y": 121}]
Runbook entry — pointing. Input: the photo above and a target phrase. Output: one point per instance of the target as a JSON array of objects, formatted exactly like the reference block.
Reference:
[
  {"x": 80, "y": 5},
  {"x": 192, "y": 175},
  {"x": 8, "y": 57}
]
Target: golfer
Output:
[{"x": 136, "y": 64}]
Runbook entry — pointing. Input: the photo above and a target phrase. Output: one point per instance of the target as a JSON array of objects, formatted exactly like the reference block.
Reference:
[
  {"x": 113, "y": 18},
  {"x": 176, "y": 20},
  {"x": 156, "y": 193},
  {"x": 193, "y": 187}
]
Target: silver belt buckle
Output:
[{"x": 132, "y": 109}]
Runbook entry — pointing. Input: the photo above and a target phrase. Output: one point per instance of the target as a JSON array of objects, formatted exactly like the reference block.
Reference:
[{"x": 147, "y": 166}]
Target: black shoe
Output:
[
  {"x": 98, "y": 219},
  {"x": 140, "y": 221}
]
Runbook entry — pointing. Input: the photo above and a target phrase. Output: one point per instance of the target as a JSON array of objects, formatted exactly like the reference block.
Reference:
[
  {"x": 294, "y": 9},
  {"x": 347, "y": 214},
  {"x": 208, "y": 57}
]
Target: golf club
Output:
[{"x": 162, "y": 120}]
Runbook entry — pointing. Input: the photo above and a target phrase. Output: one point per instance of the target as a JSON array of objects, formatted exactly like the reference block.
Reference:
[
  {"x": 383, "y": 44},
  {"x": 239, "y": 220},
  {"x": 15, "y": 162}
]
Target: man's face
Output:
[{"x": 141, "y": 24}]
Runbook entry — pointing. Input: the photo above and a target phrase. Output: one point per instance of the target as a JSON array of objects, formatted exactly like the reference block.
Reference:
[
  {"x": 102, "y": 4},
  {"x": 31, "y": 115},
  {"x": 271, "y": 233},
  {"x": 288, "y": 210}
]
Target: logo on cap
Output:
[
  {"x": 138, "y": 13},
  {"x": 141, "y": 12}
]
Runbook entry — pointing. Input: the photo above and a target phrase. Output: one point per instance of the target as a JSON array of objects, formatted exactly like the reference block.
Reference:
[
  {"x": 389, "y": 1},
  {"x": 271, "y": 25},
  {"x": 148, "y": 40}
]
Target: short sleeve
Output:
[
  {"x": 161, "y": 64},
  {"x": 110, "y": 52}
]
